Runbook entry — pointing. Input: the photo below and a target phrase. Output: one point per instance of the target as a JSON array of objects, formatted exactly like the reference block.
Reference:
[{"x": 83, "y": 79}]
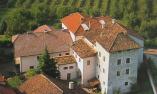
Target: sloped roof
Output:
[
  {"x": 39, "y": 84},
  {"x": 73, "y": 21},
  {"x": 44, "y": 28},
  {"x": 62, "y": 60},
  {"x": 112, "y": 39},
  {"x": 83, "y": 49},
  {"x": 34, "y": 43},
  {"x": 151, "y": 51}
]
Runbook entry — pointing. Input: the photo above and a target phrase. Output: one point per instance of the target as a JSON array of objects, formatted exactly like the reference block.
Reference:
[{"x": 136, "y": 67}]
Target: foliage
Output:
[
  {"x": 31, "y": 73},
  {"x": 5, "y": 40},
  {"x": 140, "y": 15},
  {"x": 14, "y": 82},
  {"x": 47, "y": 65},
  {"x": 3, "y": 26}
]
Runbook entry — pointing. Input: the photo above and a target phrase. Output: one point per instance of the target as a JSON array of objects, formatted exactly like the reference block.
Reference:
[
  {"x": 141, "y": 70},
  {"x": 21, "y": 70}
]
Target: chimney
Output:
[
  {"x": 102, "y": 22},
  {"x": 113, "y": 21},
  {"x": 71, "y": 85},
  {"x": 89, "y": 24}
]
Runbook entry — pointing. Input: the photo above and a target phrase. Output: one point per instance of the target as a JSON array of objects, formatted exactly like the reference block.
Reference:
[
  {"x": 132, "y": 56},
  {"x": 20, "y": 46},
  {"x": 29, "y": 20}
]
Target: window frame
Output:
[
  {"x": 118, "y": 73},
  {"x": 119, "y": 63},
  {"x": 71, "y": 67},
  {"x": 65, "y": 68},
  {"x": 88, "y": 62},
  {"x": 127, "y": 60},
  {"x": 127, "y": 71}
]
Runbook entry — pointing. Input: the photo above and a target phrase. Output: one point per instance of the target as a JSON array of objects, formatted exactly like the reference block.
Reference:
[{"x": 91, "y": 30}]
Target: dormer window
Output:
[
  {"x": 102, "y": 22},
  {"x": 85, "y": 27}
]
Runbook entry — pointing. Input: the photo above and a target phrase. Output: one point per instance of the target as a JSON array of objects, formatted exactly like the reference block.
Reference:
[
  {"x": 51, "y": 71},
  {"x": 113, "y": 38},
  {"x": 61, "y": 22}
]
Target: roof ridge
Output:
[{"x": 51, "y": 82}]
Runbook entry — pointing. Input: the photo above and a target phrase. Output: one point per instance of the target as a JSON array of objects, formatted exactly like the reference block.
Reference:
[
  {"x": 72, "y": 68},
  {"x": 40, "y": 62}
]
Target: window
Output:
[
  {"x": 65, "y": 68},
  {"x": 38, "y": 57},
  {"x": 127, "y": 71},
  {"x": 60, "y": 54},
  {"x": 98, "y": 76},
  {"x": 104, "y": 82},
  {"x": 126, "y": 83},
  {"x": 71, "y": 67},
  {"x": 128, "y": 60},
  {"x": 104, "y": 58},
  {"x": 31, "y": 67},
  {"x": 79, "y": 59},
  {"x": 88, "y": 62},
  {"x": 118, "y": 73},
  {"x": 100, "y": 54},
  {"x": 66, "y": 53},
  {"x": 118, "y": 61},
  {"x": 103, "y": 70}
]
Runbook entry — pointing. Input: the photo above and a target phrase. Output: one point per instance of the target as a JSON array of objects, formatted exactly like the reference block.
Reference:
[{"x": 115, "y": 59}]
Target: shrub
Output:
[{"x": 14, "y": 82}]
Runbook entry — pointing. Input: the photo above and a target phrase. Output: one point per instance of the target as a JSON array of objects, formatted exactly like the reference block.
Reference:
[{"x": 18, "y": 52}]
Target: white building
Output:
[
  {"x": 119, "y": 51},
  {"x": 92, "y": 49}
]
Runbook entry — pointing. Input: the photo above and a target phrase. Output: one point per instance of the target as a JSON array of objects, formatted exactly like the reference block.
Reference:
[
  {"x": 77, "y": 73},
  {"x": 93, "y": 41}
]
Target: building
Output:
[
  {"x": 152, "y": 54},
  {"x": 42, "y": 84},
  {"x": 97, "y": 49},
  {"x": 113, "y": 51}
]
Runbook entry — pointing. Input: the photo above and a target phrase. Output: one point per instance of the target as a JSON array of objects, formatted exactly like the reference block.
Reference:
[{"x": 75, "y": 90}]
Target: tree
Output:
[
  {"x": 3, "y": 26},
  {"x": 47, "y": 65},
  {"x": 14, "y": 82},
  {"x": 18, "y": 21}
]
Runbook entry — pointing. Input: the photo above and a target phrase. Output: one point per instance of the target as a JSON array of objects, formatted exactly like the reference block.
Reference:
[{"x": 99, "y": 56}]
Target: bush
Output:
[
  {"x": 14, "y": 82},
  {"x": 31, "y": 73}
]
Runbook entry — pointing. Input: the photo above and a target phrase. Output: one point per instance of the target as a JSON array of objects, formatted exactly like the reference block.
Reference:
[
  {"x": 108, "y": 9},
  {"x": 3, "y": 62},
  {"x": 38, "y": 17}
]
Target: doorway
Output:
[{"x": 68, "y": 76}]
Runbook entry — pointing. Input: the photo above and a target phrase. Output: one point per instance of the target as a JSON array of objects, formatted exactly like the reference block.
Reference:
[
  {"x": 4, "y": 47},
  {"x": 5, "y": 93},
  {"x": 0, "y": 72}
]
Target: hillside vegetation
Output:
[{"x": 18, "y": 16}]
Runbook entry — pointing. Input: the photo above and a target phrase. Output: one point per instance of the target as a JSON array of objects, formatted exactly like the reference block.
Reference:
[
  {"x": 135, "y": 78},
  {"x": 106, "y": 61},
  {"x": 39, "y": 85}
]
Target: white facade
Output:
[
  {"x": 86, "y": 67},
  {"x": 28, "y": 62},
  {"x": 68, "y": 69}
]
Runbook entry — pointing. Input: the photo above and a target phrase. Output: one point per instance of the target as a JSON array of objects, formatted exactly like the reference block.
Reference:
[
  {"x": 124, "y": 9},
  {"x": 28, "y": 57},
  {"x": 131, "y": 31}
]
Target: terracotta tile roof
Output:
[
  {"x": 34, "y": 43},
  {"x": 39, "y": 84},
  {"x": 83, "y": 49},
  {"x": 61, "y": 60},
  {"x": 73, "y": 21},
  {"x": 151, "y": 51},
  {"x": 6, "y": 90},
  {"x": 44, "y": 28},
  {"x": 2, "y": 79},
  {"x": 114, "y": 38}
]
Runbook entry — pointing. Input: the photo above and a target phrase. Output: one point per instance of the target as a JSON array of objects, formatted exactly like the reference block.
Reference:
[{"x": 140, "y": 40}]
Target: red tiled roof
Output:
[
  {"x": 112, "y": 39},
  {"x": 73, "y": 21},
  {"x": 39, "y": 84},
  {"x": 44, "y": 28},
  {"x": 151, "y": 51},
  {"x": 62, "y": 60},
  {"x": 83, "y": 49},
  {"x": 34, "y": 43},
  {"x": 2, "y": 79}
]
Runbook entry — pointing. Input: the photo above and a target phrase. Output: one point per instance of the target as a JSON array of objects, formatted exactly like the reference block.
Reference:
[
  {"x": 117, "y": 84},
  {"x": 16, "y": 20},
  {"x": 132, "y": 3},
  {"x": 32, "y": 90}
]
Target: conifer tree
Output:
[{"x": 47, "y": 65}]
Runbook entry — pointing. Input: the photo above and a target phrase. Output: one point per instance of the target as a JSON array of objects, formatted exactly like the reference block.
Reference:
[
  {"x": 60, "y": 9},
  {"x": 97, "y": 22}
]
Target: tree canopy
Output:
[{"x": 48, "y": 65}]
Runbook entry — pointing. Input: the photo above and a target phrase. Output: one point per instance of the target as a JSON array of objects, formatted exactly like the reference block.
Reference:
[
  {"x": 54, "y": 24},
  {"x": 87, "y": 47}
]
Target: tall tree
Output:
[
  {"x": 3, "y": 26},
  {"x": 47, "y": 65}
]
